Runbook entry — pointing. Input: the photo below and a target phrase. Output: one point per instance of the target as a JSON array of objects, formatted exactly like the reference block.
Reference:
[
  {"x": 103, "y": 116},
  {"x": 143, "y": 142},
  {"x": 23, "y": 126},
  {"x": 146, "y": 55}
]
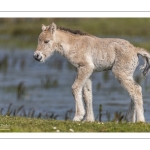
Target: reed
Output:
[
  {"x": 4, "y": 64},
  {"x": 47, "y": 82},
  {"x": 68, "y": 114},
  {"x": 21, "y": 111},
  {"x": 118, "y": 117},
  {"x": 21, "y": 90},
  {"x": 108, "y": 116},
  {"x": 31, "y": 113},
  {"x": 100, "y": 112},
  {"x": 98, "y": 86},
  {"x": 22, "y": 63}
]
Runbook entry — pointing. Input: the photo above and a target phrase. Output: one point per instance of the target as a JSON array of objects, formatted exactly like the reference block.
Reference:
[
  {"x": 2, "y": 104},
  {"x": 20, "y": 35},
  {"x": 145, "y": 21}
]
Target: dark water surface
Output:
[{"x": 47, "y": 86}]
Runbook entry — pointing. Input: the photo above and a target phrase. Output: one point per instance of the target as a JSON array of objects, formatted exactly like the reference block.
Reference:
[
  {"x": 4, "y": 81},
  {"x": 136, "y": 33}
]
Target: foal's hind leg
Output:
[
  {"x": 135, "y": 93},
  {"x": 87, "y": 96},
  {"x": 131, "y": 113}
]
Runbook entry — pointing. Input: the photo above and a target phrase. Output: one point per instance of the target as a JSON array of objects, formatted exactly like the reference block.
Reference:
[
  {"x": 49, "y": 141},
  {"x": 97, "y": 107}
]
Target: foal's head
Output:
[{"x": 46, "y": 44}]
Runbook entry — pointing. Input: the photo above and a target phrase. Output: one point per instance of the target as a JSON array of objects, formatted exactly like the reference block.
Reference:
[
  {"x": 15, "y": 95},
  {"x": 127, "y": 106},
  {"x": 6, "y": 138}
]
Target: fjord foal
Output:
[{"x": 89, "y": 53}]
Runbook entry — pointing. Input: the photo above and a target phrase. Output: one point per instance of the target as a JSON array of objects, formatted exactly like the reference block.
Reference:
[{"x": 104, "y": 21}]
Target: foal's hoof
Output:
[
  {"x": 89, "y": 120},
  {"x": 142, "y": 120},
  {"x": 77, "y": 118}
]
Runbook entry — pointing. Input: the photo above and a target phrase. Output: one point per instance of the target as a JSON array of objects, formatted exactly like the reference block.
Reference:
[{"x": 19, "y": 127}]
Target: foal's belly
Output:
[
  {"x": 103, "y": 67},
  {"x": 104, "y": 62}
]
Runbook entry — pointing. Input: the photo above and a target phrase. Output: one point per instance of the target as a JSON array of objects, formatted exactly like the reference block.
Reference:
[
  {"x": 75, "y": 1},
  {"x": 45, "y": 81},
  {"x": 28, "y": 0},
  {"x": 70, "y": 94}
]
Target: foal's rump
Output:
[{"x": 126, "y": 57}]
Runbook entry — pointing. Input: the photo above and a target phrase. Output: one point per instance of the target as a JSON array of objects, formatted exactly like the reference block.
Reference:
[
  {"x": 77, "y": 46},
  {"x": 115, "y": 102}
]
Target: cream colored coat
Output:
[{"x": 88, "y": 54}]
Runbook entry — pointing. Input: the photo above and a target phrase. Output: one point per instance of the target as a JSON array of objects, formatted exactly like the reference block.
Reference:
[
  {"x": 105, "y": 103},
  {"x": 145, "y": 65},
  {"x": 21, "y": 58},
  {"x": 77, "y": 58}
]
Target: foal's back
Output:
[{"x": 105, "y": 51}]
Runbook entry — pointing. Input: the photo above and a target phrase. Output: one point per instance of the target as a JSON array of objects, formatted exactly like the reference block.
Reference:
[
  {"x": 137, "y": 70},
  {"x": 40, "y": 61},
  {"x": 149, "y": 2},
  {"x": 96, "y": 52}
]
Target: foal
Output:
[{"x": 89, "y": 53}]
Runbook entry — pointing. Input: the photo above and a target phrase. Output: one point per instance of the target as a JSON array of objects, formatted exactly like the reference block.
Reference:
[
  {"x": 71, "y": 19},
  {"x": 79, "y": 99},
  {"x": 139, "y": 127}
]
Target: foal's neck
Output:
[{"x": 65, "y": 42}]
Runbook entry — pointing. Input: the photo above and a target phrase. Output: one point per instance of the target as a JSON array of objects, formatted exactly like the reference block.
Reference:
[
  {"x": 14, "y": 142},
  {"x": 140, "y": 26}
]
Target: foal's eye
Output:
[{"x": 46, "y": 41}]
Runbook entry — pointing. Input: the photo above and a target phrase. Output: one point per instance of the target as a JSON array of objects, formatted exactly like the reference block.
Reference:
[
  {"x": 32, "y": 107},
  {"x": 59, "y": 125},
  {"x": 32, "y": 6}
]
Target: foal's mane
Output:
[{"x": 76, "y": 32}]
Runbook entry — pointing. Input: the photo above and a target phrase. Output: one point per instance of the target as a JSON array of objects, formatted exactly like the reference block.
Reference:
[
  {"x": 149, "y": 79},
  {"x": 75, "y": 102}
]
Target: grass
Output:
[
  {"x": 21, "y": 120},
  {"x": 23, "y": 124},
  {"x": 24, "y": 32},
  {"x": 96, "y": 26}
]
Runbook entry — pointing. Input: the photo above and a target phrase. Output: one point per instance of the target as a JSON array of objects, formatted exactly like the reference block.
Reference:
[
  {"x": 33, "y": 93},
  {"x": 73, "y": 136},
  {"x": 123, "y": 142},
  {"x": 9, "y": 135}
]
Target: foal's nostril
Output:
[{"x": 37, "y": 57}]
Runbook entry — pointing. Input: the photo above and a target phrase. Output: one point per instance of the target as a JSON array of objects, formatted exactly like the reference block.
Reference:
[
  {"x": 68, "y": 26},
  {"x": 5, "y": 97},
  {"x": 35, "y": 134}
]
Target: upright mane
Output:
[{"x": 76, "y": 32}]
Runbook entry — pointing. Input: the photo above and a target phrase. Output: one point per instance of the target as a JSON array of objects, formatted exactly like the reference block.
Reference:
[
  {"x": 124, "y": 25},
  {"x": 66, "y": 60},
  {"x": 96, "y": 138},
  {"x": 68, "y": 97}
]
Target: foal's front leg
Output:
[{"x": 83, "y": 74}]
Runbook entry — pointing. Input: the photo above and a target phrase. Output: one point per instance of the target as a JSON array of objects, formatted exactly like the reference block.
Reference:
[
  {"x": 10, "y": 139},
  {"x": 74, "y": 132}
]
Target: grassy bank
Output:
[
  {"x": 23, "y": 32},
  {"x": 22, "y": 124},
  {"x": 96, "y": 26}
]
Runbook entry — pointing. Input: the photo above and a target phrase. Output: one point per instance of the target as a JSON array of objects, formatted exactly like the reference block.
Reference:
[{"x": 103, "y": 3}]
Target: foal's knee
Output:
[
  {"x": 138, "y": 89},
  {"x": 75, "y": 89}
]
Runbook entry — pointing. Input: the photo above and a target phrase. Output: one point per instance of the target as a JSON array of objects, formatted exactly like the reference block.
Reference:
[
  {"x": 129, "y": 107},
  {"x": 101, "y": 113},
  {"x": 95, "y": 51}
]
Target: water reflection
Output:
[{"x": 45, "y": 88}]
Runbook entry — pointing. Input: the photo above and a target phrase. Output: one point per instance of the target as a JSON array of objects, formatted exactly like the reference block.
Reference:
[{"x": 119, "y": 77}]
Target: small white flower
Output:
[
  {"x": 54, "y": 128},
  {"x": 71, "y": 130},
  {"x": 79, "y": 124},
  {"x": 57, "y": 130}
]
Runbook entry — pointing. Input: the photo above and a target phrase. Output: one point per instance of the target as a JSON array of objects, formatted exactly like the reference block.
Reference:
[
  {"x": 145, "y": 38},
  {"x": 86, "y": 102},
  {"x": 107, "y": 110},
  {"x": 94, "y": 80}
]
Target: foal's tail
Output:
[{"x": 146, "y": 57}]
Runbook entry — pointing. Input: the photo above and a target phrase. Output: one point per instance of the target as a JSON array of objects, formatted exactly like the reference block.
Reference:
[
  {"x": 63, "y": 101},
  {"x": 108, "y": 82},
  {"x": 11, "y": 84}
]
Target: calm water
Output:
[{"x": 36, "y": 77}]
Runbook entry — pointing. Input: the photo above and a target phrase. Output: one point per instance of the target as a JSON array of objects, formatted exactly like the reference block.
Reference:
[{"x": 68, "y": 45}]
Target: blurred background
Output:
[{"x": 43, "y": 90}]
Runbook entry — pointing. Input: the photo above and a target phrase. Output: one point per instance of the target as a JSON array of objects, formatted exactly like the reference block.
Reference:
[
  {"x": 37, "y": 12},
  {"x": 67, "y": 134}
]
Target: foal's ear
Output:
[
  {"x": 53, "y": 28},
  {"x": 43, "y": 27}
]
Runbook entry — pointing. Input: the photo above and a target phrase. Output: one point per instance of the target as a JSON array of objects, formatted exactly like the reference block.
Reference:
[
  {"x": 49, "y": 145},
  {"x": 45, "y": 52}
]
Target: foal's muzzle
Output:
[{"x": 37, "y": 56}]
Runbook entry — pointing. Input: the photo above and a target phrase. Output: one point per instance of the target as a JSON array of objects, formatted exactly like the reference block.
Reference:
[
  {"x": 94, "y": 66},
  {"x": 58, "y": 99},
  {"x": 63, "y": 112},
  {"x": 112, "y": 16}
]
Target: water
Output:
[{"x": 56, "y": 96}]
